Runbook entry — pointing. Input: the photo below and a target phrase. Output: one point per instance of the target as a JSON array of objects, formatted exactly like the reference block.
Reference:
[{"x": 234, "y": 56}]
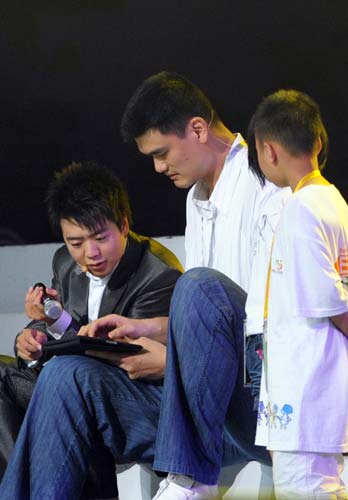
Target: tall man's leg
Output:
[
  {"x": 207, "y": 417},
  {"x": 204, "y": 368}
]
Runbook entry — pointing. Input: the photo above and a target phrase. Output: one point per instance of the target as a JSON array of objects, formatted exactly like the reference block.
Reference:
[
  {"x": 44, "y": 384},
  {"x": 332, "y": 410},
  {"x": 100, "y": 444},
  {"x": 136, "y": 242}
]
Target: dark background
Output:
[{"x": 68, "y": 69}]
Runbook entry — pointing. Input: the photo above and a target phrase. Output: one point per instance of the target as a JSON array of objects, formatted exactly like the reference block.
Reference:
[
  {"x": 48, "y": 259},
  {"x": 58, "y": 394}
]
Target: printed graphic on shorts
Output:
[
  {"x": 341, "y": 267},
  {"x": 274, "y": 418}
]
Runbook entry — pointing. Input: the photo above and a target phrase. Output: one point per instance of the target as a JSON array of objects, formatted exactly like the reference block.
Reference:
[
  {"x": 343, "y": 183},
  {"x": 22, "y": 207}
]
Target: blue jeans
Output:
[
  {"x": 78, "y": 400},
  {"x": 254, "y": 346},
  {"x": 206, "y": 412},
  {"x": 207, "y": 417}
]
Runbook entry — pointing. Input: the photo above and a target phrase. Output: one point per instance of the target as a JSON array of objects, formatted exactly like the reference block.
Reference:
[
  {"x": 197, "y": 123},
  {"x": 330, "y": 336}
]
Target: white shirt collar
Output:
[
  {"x": 100, "y": 281},
  {"x": 200, "y": 192}
]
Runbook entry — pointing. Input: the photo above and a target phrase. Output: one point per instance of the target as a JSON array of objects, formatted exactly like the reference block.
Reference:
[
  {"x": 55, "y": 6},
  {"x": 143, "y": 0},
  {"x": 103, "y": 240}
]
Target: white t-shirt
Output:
[
  {"x": 232, "y": 230},
  {"x": 304, "y": 394}
]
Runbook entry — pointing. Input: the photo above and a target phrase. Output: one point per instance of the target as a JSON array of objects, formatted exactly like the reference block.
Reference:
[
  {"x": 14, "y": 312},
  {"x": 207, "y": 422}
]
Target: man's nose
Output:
[
  {"x": 160, "y": 166},
  {"x": 91, "y": 249}
]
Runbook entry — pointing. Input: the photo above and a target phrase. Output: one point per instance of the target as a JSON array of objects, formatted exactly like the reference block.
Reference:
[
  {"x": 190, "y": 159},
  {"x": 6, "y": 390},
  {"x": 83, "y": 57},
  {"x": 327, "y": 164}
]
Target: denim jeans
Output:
[
  {"x": 254, "y": 347},
  {"x": 206, "y": 419},
  {"x": 76, "y": 402},
  {"x": 16, "y": 387}
]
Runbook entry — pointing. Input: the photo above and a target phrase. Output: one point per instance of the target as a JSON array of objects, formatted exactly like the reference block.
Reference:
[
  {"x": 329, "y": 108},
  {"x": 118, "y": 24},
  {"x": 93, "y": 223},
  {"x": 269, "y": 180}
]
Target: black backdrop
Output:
[{"x": 68, "y": 68}]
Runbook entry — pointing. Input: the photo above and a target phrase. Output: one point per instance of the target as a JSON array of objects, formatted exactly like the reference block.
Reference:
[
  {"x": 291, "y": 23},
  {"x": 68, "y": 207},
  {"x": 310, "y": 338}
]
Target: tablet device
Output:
[{"x": 79, "y": 344}]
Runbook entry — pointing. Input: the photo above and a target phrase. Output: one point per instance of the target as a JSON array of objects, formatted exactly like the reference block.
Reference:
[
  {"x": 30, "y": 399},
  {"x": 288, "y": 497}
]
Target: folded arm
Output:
[{"x": 341, "y": 322}]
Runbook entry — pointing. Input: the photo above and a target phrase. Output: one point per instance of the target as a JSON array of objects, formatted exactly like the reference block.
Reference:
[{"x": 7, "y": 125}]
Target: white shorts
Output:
[{"x": 308, "y": 476}]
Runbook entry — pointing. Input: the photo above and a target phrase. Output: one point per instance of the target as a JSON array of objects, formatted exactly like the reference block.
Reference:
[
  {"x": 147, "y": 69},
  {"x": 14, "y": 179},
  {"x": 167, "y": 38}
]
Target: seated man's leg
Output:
[
  {"x": 204, "y": 358},
  {"x": 78, "y": 400},
  {"x": 16, "y": 387},
  {"x": 100, "y": 482}
]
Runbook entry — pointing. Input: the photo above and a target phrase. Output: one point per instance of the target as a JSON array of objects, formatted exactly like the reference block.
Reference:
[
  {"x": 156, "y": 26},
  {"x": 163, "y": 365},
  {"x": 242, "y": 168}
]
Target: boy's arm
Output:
[{"x": 341, "y": 322}]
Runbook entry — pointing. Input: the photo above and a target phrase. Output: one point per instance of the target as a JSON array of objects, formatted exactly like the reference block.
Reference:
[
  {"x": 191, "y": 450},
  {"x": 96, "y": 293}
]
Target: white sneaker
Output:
[{"x": 180, "y": 487}]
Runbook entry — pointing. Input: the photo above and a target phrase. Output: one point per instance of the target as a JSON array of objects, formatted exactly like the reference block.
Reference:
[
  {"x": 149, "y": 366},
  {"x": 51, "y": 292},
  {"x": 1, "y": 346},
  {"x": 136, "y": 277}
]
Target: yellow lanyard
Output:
[{"x": 265, "y": 309}]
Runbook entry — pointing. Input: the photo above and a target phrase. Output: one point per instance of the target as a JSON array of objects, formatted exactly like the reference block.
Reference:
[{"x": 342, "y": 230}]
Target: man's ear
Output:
[
  {"x": 199, "y": 128},
  {"x": 125, "y": 227}
]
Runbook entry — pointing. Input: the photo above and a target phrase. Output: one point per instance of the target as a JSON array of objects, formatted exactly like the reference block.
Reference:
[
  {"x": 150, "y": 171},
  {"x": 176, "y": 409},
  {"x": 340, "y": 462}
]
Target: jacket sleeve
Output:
[
  {"x": 154, "y": 299},
  {"x": 39, "y": 324}
]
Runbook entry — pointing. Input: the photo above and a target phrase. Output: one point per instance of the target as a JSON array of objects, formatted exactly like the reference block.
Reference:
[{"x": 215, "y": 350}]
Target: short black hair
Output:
[
  {"x": 88, "y": 194},
  {"x": 165, "y": 101},
  {"x": 291, "y": 118}
]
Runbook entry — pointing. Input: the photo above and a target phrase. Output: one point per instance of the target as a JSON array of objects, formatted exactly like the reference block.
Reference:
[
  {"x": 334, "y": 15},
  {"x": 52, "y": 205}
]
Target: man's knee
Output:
[
  {"x": 193, "y": 282},
  {"x": 62, "y": 370},
  {"x": 198, "y": 275},
  {"x": 80, "y": 375},
  {"x": 203, "y": 281}
]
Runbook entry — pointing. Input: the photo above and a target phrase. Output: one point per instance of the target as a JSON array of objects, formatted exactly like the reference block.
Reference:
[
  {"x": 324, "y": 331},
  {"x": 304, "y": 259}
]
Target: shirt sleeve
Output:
[{"x": 317, "y": 287}]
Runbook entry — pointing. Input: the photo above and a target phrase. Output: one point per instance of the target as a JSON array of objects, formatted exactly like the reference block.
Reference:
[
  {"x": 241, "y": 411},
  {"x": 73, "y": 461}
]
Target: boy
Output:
[{"x": 303, "y": 416}]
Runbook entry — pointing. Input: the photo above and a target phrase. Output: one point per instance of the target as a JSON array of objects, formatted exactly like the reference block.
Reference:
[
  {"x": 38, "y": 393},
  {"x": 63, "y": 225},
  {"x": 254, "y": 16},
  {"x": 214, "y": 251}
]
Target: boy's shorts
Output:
[{"x": 309, "y": 476}]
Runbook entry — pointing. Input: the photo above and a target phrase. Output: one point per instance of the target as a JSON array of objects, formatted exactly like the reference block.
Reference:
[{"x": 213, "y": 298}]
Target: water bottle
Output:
[{"x": 52, "y": 307}]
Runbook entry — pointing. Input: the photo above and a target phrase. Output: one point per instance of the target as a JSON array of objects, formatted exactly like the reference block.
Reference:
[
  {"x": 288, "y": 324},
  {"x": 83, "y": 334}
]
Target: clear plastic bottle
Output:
[{"x": 52, "y": 307}]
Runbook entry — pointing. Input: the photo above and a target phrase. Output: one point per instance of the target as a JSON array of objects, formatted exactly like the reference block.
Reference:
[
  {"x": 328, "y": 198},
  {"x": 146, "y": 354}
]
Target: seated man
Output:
[
  {"x": 102, "y": 268},
  {"x": 207, "y": 415}
]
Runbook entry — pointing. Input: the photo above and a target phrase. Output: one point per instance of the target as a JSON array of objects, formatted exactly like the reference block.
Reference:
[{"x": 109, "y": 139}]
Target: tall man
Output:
[
  {"x": 231, "y": 218},
  {"x": 207, "y": 414},
  {"x": 102, "y": 268}
]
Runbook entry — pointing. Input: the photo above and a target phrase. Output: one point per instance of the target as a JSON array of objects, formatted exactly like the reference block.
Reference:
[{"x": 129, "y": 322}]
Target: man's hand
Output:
[
  {"x": 29, "y": 344},
  {"x": 33, "y": 302},
  {"x": 149, "y": 363},
  {"x": 114, "y": 327}
]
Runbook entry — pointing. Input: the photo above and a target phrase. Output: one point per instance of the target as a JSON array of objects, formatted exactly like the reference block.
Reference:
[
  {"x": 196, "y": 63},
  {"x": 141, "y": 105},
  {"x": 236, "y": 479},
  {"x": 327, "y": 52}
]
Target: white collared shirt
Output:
[
  {"x": 232, "y": 229},
  {"x": 96, "y": 290}
]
